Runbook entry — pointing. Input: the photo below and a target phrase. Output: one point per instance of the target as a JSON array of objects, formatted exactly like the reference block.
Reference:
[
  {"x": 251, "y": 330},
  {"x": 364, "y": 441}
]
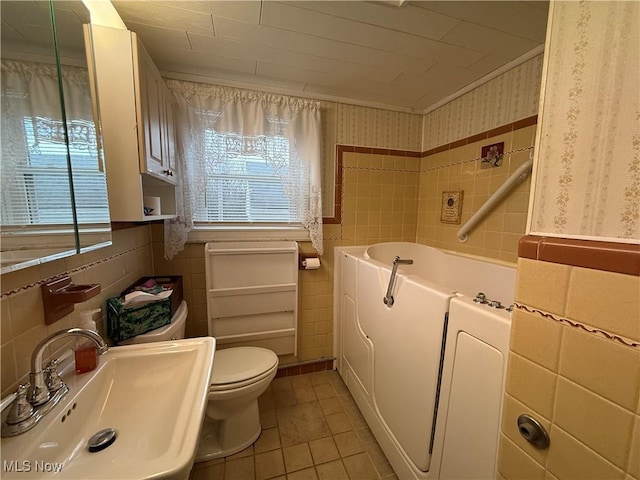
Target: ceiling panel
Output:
[
  {"x": 343, "y": 81},
  {"x": 161, "y": 36},
  {"x": 190, "y": 62},
  {"x": 403, "y": 57},
  {"x": 165, "y": 16},
  {"x": 244, "y": 11},
  {"x": 486, "y": 40},
  {"x": 289, "y": 17},
  {"x": 523, "y": 19},
  {"x": 408, "y": 19},
  {"x": 210, "y": 46},
  {"x": 320, "y": 47},
  {"x": 371, "y": 98},
  {"x": 177, "y": 58}
]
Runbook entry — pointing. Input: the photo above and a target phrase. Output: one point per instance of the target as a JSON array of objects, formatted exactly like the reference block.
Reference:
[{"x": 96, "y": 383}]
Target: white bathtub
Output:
[{"x": 431, "y": 419}]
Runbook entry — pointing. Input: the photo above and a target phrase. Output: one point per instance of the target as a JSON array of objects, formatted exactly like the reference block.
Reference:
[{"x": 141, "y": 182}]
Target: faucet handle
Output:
[
  {"x": 20, "y": 408},
  {"x": 51, "y": 377},
  {"x": 480, "y": 298}
]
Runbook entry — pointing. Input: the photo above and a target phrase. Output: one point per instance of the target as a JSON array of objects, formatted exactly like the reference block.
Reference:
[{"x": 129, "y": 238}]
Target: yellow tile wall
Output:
[
  {"x": 379, "y": 198},
  {"x": 380, "y": 204},
  {"x": 22, "y": 314},
  {"x": 575, "y": 366},
  {"x": 385, "y": 198},
  {"x": 459, "y": 169}
]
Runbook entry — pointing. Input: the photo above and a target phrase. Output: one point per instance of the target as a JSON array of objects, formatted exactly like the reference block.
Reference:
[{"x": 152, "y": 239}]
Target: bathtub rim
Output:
[{"x": 470, "y": 256}]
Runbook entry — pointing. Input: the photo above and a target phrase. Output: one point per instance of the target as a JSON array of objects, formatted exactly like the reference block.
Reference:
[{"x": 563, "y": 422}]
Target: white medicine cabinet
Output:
[{"x": 137, "y": 125}]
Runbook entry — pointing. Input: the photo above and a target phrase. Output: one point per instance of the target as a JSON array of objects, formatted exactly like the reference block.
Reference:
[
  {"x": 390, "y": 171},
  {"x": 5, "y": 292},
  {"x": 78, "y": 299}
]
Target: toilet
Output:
[
  {"x": 240, "y": 375},
  {"x": 232, "y": 421}
]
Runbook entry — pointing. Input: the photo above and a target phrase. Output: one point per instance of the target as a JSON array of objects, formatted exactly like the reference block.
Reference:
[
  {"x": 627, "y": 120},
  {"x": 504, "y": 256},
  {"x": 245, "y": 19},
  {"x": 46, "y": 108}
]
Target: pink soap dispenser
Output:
[{"x": 86, "y": 352}]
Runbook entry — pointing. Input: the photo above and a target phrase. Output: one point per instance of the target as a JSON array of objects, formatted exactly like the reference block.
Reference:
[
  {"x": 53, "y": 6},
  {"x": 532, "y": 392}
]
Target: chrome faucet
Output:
[
  {"x": 388, "y": 298},
  {"x": 38, "y": 392},
  {"x": 45, "y": 388}
]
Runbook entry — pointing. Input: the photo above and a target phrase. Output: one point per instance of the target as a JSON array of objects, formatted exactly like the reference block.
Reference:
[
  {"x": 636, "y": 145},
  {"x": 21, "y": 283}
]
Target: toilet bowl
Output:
[
  {"x": 232, "y": 422},
  {"x": 240, "y": 375}
]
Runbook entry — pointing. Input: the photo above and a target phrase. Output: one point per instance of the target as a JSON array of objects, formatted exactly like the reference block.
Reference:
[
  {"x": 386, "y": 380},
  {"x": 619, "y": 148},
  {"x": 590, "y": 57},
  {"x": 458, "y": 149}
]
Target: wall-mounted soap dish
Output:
[{"x": 60, "y": 295}]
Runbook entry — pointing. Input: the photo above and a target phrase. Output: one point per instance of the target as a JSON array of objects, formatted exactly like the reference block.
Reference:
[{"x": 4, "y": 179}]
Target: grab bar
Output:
[
  {"x": 516, "y": 178},
  {"x": 388, "y": 298}
]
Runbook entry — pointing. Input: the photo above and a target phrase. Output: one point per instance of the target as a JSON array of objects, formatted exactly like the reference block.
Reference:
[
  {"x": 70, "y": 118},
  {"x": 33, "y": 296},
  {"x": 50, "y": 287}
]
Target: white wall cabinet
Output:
[
  {"x": 135, "y": 109},
  {"x": 156, "y": 135}
]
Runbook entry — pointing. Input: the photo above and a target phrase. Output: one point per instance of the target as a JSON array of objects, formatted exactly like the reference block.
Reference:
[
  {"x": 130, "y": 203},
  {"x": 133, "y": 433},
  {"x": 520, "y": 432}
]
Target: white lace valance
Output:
[{"x": 245, "y": 116}]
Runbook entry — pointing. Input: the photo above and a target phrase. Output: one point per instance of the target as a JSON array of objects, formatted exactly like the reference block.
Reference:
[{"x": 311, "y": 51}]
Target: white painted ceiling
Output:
[{"x": 408, "y": 57}]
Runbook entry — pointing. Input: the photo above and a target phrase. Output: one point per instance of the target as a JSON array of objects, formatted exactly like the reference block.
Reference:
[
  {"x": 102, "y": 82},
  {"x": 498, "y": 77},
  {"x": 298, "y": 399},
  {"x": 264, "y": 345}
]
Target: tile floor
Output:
[{"x": 311, "y": 430}]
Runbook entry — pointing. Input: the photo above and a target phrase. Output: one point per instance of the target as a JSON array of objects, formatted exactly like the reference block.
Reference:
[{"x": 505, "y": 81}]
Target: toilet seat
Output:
[{"x": 240, "y": 366}]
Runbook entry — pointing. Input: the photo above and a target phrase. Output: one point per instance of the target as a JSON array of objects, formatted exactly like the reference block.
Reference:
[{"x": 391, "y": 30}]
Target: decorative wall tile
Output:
[
  {"x": 614, "y": 308},
  {"x": 532, "y": 383},
  {"x": 634, "y": 458},
  {"x": 549, "y": 295},
  {"x": 598, "y": 423},
  {"x": 458, "y": 168},
  {"x": 602, "y": 366},
  {"x": 511, "y": 410},
  {"x": 536, "y": 339},
  {"x": 595, "y": 411},
  {"x": 515, "y": 463},
  {"x": 571, "y": 459}
]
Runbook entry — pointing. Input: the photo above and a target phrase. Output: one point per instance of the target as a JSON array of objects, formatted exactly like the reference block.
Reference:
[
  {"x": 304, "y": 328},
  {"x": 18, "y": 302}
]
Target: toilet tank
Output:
[{"x": 172, "y": 331}]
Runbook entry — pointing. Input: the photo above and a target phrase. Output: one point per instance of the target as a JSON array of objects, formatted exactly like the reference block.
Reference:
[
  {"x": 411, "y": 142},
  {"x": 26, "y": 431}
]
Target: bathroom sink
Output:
[{"x": 154, "y": 395}]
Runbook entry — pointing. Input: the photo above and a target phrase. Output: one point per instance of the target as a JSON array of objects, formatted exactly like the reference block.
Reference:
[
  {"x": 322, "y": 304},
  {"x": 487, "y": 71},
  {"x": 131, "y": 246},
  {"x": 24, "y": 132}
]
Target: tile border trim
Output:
[
  {"x": 509, "y": 127},
  {"x": 81, "y": 268},
  {"x": 574, "y": 324},
  {"x": 606, "y": 256},
  {"x": 305, "y": 367},
  {"x": 336, "y": 219}
]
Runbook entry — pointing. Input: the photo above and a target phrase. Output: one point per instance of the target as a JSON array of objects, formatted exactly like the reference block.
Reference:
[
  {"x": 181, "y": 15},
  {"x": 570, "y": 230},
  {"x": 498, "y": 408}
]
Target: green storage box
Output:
[{"x": 124, "y": 323}]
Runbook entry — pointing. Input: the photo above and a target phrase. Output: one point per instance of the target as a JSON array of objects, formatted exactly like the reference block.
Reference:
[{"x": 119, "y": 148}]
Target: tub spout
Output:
[{"x": 388, "y": 298}]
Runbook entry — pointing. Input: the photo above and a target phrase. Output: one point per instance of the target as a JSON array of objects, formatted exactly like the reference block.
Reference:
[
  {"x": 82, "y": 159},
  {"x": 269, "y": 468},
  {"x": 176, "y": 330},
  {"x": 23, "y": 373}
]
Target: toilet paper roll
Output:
[
  {"x": 311, "y": 263},
  {"x": 152, "y": 206}
]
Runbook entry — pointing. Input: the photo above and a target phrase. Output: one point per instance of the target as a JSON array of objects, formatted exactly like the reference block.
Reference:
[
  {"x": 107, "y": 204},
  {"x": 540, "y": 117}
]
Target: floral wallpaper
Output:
[
  {"x": 508, "y": 97},
  {"x": 587, "y": 180}
]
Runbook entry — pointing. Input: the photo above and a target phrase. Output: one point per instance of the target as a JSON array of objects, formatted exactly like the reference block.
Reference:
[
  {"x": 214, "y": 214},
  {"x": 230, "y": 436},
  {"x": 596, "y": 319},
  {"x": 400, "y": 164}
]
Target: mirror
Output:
[{"x": 54, "y": 197}]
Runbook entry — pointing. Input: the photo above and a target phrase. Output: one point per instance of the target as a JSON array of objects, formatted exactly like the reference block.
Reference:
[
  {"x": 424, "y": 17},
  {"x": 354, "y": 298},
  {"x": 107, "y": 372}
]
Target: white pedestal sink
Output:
[{"x": 154, "y": 395}]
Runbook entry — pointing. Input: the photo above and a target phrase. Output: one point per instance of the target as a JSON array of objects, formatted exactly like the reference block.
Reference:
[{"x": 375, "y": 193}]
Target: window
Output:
[
  {"x": 246, "y": 180},
  {"x": 248, "y": 160},
  {"x": 39, "y": 192}
]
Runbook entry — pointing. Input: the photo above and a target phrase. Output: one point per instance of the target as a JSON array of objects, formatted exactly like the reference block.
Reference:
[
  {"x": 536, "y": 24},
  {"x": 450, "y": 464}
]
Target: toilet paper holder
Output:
[{"x": 302, "y": 261}]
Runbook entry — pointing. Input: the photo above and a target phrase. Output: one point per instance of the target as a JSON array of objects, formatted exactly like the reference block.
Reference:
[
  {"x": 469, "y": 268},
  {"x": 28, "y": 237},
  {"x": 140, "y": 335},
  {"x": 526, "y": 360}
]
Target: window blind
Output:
[
  {"x": 250, "y": 179},
  {"x": 39, "y": 192}
]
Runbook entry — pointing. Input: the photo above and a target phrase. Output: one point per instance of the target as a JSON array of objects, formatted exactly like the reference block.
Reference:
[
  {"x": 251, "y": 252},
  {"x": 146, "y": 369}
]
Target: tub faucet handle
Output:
[
  {"x": 480, "y": 298},
  {"x": 388, "y": 298}
]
